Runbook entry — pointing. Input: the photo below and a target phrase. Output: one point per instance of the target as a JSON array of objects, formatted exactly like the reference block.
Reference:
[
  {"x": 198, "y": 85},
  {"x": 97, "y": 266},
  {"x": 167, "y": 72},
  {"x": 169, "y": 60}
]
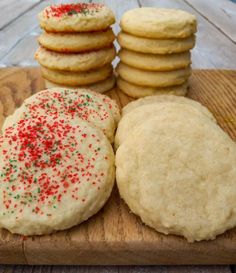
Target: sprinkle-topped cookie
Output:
[
  {"x": 72, "y": 9},
  {"x": 80, "y": 17},
  {"x": 55, "y": 173},
  {"x": 76, "y": 104}
]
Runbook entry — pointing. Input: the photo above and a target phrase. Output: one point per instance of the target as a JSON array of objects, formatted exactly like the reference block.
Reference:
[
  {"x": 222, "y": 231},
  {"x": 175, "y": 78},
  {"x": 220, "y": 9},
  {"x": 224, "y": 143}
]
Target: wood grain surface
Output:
[
  {"x": 114, "y": 235},
  {"x": 221, "y": 13},
  {"x": 13, "y": 9}
]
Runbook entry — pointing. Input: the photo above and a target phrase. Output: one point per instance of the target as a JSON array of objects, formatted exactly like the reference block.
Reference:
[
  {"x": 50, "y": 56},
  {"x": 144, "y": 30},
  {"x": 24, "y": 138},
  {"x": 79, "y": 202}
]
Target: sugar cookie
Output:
[
  {"x": 138, "y": 91},
  {"x": 77, "y": 78},
  {"x": 77, "y": 61},
  {"x": 141, "y": 114},
  {"x": 158, "y": 23},
  {"x": 76, "y": 104},
  {"x": 155, "y": 46},
  {"x": 78, "y": 41},
  {"x": 154, "y": 61},
  {"x": 153, "y": 78},
  {"x": 100, "y": 87},
  {"x": 178, "y": 174},
  {"x": 166, "y": 98},
  {"x": 55, "y": 174},
  {"x": 80, "y": 17}
]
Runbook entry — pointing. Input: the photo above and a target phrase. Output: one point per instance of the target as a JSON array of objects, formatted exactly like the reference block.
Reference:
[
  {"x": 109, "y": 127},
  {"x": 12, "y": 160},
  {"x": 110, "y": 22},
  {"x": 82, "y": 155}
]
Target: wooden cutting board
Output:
[{"x": 114, "y": 235}]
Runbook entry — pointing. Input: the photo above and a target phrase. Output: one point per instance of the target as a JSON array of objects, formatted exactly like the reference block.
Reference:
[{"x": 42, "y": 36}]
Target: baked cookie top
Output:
[
  {"x": 144, "y": 112},
  {"x": 76, "y": 104},
  {"x": 55, "y": 173},
  {"x": 167, "y": 98},
  {"x": 159, "y": 23},
  {"x": 178, "y": 174},
  {"x": 80, "y": 17}
]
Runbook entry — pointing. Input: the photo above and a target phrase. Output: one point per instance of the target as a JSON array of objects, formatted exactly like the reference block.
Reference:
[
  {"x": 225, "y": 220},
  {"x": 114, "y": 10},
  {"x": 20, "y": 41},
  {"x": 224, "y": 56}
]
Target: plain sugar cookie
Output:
[
  {"x": 141, "y": 114},
  {"x": 138, "y": 91},
  {"x": 153, "y": 78},
  {"x": 80, "y": 17},
  {"x": 166, "y": 98},
  {"x": 100, "y": 87},
  {"x": 77, "y": 61},
  {"x": 179, "y": 176},
  {"x": 77, "y": 78},
  {"x": 78, "y": 41},
  {"x": 158, "y": 23},
  {"x": 154, "y": 61},
  {"x": 55, "y": 173},
  {"x": 155, "y": 46}
]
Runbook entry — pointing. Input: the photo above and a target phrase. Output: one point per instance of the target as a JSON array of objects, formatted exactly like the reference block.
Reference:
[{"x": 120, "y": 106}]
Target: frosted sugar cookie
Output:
[
  {"x": 78, "y": 41},
  {"x": 100, "y": 87},
  {"x": 153, "y": 78},
  {"x": 138, "y": 91},
  {"x": 166, "y": 98},
  {"x": 76, "y": 104},
  {"x": 155, "y": 46},
  {"x": 77, "y": 61},
  {"x": 179, "y": 176},
  {"x": 154, "y": 61},
  {"x": 77, "y": 78},
  {"x": 80, "y": 17},
  {"x": 55, "y": 173},
  {"x": 158, "y": 23},
  {"x": 142, "y": 113}
]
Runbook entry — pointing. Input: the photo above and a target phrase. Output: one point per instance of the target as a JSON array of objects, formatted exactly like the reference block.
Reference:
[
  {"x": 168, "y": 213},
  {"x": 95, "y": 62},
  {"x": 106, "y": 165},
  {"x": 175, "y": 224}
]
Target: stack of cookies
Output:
[
  {"x": 175, "y": 167},
  {"x": 155, "y": 51},
  {"x": 76, "y": 48}
]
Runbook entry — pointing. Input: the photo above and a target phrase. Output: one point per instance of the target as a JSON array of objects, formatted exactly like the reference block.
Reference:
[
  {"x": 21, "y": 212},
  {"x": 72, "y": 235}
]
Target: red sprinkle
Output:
[{"x": 70, "y": 9}]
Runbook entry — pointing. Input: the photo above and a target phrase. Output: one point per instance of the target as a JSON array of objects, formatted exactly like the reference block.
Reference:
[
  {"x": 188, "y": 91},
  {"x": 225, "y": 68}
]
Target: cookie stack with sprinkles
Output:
[
  {"x": 155, "y": 51},
  {"x": 76, "y": 47}
]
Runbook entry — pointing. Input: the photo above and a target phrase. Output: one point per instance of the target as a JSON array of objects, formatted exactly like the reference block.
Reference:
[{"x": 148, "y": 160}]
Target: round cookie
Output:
[
  {"x": 153, "y": 78},
  {"x": 100, "y": 87},
  {"x": 158, "y": 23},
  {"x": 76, "y": 104},
  {"x": 138, "y": 91},
  {"x": 189, "y": 163},
  {"x": 56, "y": 173},
  {"x": 155, "y": 46},
  {"x": 75, "y": 61},
  {"x": 141, "y": 114},
  {"x": 80, "y": 17},
  {"x": 155, "y": 62},
  {"x": 77, "y": 42},
  {"x": 77, "y": 78},
  {"x": 166, "y": 98}
]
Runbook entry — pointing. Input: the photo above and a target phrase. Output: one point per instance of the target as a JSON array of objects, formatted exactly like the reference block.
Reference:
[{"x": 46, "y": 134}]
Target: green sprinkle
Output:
[
  {"x": 71, "y": 12},
  {"x": 58, "y": 160}
]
